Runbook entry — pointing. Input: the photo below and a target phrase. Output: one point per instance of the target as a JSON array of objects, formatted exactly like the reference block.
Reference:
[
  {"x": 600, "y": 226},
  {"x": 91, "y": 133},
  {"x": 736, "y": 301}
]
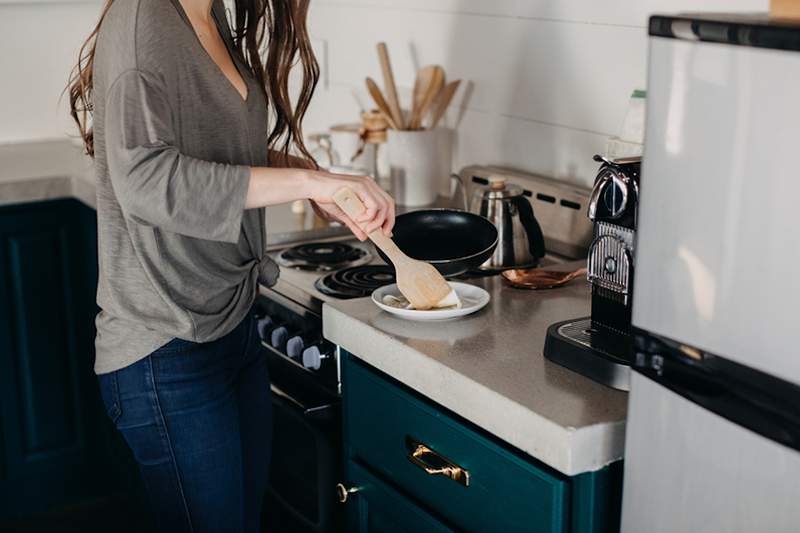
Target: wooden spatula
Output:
[
  {"x": 430, "y": 83},
  {"x": 390, "y": 87},
  {"x": 421, "y": 83},
  {"x": 421, "y": 284},
  {"x": 443, "y": 102},
  {"x": 377, "y": 95}
]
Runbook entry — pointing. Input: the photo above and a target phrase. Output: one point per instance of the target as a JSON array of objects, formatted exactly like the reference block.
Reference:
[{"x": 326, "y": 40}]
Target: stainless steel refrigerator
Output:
[{"x": 713, "y": 434}]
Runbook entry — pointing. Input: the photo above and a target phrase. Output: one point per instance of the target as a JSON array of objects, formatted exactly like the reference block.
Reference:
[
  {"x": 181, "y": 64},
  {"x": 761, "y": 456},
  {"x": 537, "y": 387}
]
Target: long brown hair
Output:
[{"x": 283, "y": 24}]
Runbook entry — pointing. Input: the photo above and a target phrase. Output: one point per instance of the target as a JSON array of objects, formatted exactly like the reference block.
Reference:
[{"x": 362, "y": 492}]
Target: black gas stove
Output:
[
  {"x": 323, "y": 256},
  {"x": 355, "y": 282},
  {"x": 305, "y": 375}
]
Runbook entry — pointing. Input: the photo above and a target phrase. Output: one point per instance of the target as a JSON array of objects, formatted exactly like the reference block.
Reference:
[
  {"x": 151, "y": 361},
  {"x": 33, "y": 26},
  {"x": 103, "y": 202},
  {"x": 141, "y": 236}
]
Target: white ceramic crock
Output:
[{"x": 419, "y": 162}]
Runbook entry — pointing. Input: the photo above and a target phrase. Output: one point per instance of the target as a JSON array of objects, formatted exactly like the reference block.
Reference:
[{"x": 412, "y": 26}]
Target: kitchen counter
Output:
[
  {"x": 45, "y": 170},
  {"x": 489, "y": 368}
]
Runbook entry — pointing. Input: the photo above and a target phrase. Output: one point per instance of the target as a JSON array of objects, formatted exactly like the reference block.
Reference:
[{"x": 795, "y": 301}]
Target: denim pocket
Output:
[{"x": 109, "y": 391}]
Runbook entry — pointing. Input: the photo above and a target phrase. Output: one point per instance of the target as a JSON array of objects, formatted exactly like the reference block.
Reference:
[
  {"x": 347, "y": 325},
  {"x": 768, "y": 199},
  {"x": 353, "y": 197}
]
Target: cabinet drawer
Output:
[
  {"x": 377, "y": 508},
  {"x": 488, "y": 488}
]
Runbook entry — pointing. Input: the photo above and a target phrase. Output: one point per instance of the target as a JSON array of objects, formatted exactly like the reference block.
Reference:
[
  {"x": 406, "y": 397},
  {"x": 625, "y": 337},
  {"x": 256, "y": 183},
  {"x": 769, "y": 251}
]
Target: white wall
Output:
[
  {"x": 38, "y": 46},
  {"x": 549, "y": 80}
]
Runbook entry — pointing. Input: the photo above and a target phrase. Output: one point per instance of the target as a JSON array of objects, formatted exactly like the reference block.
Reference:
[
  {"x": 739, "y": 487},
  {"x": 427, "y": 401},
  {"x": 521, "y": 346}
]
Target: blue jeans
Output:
[{"x": 198, "y": 418}]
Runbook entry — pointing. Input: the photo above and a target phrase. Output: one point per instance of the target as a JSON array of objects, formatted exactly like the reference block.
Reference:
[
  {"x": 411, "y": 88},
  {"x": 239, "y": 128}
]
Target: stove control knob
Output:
[
  {"x": 295, "y": 346},
  {"x": 263, "y": 326},
  {"x": 313, "y": 357},
  {"x": 278, "y": 337}
]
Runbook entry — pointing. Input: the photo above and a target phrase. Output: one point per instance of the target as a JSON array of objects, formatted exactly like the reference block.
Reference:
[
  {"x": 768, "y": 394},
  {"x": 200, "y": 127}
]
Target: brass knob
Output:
[{"x": 343, "y": 492}]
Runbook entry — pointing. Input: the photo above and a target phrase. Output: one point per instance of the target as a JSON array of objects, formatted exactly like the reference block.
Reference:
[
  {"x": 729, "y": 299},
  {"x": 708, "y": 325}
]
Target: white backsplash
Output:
[{"x": 546, "y": 82}]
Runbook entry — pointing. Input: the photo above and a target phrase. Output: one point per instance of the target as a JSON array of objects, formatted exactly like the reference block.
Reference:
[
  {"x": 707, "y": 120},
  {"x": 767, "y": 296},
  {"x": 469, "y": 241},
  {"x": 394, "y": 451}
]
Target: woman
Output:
[{"x": 184, "y": 158}]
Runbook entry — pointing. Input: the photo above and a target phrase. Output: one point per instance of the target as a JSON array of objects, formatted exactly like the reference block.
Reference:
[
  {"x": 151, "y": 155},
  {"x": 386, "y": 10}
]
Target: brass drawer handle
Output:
[
  {"x": 343, "y": 493},
  {"x": 434, "y": 464}
]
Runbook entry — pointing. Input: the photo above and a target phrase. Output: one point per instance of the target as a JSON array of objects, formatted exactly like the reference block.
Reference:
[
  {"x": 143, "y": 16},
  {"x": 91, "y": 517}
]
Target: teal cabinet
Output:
[
  {"x": 56, "y": 446},
  {"x": 378, "y": 507},
  {"x": 417, "y": 465}
]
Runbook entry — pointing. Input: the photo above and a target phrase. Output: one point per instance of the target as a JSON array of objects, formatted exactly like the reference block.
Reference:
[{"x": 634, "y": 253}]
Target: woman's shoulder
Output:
[{"x": 140, "y": 34}]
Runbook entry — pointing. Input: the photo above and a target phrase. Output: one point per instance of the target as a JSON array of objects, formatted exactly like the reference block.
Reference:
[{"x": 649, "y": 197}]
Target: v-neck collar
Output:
[{"x": 221, "y": 28}]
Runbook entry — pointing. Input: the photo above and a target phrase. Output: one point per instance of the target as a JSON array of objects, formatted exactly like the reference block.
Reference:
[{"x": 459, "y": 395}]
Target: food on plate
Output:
[{"x": 451, "y": 301}]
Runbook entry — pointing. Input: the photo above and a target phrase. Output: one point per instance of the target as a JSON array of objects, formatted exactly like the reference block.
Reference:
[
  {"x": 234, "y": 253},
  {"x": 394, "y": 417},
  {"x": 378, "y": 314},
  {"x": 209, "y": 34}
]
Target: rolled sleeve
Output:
[{"x": 157, "y": 184}]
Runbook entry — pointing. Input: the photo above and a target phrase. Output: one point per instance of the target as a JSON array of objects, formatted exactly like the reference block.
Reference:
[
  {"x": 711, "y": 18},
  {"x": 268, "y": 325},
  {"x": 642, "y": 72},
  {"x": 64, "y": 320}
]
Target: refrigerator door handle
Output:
[{"x": 748, "y": 397}]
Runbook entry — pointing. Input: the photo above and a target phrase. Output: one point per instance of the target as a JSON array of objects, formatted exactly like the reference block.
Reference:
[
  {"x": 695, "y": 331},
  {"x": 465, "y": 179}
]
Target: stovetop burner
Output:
[
  {"x": 355, "y": 282},
  {"x": 323, "y": 256}
]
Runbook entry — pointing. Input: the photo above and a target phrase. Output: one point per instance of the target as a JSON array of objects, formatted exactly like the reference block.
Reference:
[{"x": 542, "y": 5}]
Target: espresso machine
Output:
[{"x": 599, "y": 346}]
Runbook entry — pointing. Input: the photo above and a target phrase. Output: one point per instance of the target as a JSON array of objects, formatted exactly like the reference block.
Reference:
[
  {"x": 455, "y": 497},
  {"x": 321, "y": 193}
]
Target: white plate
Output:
[{"x": 472, "y": 299}]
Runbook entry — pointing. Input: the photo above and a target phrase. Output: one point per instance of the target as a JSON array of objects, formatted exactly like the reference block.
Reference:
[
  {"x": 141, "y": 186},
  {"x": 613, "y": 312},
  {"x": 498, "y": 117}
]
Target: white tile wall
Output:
[{"x": 547, "y": 80}]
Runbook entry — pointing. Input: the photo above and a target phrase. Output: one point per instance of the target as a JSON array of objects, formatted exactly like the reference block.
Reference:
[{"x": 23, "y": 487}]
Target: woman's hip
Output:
[
  {"x": 182, "y": 377},
  {"x": 192, "y": 413}
]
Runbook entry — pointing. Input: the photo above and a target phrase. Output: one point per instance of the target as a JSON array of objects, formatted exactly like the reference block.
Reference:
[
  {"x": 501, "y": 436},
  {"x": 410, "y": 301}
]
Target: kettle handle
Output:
[
  {"x": 460, "y": 185},
  {"x": 532, "y": 227}
]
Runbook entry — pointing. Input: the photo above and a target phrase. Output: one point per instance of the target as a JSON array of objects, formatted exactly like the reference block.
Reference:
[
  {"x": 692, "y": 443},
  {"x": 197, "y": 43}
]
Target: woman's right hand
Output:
[{"x": 380, "y": 209}]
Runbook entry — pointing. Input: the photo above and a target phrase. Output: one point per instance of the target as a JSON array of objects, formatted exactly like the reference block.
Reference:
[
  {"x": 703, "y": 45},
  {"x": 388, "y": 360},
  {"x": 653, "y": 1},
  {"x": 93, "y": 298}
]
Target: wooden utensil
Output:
[
  {"x": 538, "y": 278},
  {"x": 424, "y": 76},
  {"x": 443, "y": 102},
  {"x": 390, "y": 87},
  {"x": 416, "y": 96},
  {"x": 377, "y": 96},
  {"x": 432, "y": 83},
  {"x": 421, "y": 284}
]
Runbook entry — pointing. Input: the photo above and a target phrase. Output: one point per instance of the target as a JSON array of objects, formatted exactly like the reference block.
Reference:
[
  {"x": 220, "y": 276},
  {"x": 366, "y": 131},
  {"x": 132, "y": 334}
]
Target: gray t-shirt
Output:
[{"x": 174, "y": 140}]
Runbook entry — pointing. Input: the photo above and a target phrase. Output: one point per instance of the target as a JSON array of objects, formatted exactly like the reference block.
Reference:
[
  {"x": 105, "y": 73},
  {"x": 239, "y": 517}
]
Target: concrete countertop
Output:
[
  {"x": 45, "y": 170},
  {"x": 489, "y": 368}
]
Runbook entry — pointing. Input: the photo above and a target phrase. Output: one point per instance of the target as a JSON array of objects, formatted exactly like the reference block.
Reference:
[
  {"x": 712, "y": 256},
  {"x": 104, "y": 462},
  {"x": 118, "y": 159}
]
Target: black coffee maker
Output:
[{"x": 599, "y": 346}]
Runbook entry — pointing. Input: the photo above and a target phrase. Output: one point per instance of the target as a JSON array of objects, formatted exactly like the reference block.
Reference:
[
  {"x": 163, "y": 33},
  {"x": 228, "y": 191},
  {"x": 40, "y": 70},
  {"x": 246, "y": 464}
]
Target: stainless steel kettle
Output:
[{"x": 520, "y": 243}]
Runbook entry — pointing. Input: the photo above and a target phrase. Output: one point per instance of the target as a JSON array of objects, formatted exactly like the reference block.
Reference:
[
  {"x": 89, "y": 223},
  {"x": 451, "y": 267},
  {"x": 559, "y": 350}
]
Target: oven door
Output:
[{"x": 306, "y": 462}]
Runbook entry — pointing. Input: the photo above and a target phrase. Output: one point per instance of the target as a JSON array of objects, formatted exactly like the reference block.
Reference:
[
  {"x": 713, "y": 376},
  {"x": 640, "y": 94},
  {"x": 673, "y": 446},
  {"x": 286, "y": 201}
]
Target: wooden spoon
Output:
[
  {"x": 431, "y": 82},
  {"x": 420, "y": 282},
  {"x": 424, "y": 76},
  {"x": 376, "y": 94},
  {"x": 390, "y": 87},
  {"x": 443, "y": 102},
  {"x": 539, "y": 278}
]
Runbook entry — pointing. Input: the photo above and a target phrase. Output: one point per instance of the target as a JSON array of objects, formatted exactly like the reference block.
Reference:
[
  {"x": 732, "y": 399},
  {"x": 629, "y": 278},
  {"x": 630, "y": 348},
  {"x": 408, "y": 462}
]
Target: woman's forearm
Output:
[{"x": 271, "y": 186}]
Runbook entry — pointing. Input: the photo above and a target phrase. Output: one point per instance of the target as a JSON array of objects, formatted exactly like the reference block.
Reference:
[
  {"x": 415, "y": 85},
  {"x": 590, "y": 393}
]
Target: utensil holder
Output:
[{"x": 419, "y": 163}]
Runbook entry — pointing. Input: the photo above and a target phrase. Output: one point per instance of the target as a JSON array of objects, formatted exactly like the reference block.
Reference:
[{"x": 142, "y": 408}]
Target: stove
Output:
[
  {"x": 355, "y": 282},
  {"x": 305, "y": 375},
  {"x": 323, "y": 256}
]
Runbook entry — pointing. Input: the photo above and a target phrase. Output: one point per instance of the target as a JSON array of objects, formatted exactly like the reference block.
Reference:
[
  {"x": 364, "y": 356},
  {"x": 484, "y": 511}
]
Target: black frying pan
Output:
[{"x": 453, "y": 241}]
